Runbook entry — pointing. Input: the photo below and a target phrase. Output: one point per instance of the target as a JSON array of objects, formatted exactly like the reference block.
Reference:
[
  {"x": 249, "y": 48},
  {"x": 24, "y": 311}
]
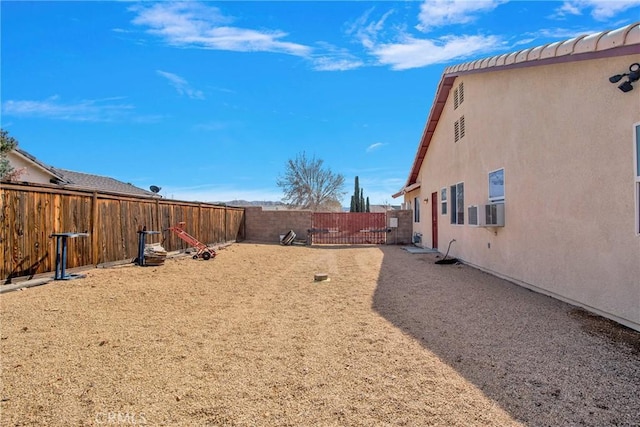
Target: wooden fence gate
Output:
[{"x": 349, "y": 228}]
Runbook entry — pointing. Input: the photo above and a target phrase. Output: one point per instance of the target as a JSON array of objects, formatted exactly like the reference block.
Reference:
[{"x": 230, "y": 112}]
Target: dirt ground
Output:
[{"x": 249, "y": 339}]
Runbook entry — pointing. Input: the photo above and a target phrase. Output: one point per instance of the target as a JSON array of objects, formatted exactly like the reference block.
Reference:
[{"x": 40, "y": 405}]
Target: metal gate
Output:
[{"x": 349, "y": 228}]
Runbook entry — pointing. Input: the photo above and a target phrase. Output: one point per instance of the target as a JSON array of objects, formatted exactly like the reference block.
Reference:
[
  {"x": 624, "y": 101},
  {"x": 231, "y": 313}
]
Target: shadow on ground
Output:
[{"x": 543, "y": 361}]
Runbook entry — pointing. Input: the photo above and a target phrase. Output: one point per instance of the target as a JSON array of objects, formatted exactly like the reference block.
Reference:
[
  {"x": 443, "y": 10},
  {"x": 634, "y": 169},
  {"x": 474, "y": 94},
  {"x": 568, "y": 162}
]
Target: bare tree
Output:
[{"x": 308, "y": 185}]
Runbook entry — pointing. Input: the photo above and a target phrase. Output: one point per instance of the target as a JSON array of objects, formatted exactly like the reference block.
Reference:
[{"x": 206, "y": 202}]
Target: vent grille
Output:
[
  {"x": 461, "y": 127},
  {"x": 456, "y": 131},
  {"x": 461, "y": 93}
]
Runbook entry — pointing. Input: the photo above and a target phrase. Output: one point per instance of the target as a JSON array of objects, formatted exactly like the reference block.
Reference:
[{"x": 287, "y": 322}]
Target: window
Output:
[
  {"x": 496, "y": 186},
  {"x": 637, "y": 174},
  {"x": 443, "y": 201},
  {"x": 461, "y": 127},
  {"x": 457, "y": 204},
  {"x": 416, "y": 210},
  {"x": 461, "y": 92}
]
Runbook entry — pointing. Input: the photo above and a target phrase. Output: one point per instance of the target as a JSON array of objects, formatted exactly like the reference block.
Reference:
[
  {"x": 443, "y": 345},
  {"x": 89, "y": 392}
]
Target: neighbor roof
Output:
[
  {"x": 605, "y": 44},
  {"x": 100, "y": 183},
  {"x": 80, "y": 180}
]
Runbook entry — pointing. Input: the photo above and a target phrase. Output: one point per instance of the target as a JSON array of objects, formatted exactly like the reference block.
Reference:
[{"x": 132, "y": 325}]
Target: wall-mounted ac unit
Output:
[{"x": 491, "y": 215}]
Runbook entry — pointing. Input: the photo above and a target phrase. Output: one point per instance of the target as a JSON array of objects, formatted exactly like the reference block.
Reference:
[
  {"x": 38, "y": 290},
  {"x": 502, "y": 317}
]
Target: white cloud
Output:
[
  {"x": 374, "y": 147},
  {"x": 369, "y": 32},
  {"x": 415, "y": 53},
  {"x": 98, "y": 110},
  {"x": 327, "y": 63},
  {"x": 600, "y": 9},
  {"x": 197, "y": 25},
  {"x": 397, "y": 48},
  {"x": 181, "y": 85},
  {"x": 552, "y": 33},
  {"x": 335, "y": 59},
  {"x": 438, "y": 13}
]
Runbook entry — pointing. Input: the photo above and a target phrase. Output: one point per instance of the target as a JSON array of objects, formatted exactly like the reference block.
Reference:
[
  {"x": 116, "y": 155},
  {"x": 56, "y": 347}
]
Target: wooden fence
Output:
[{"x": 30, "y": 213}]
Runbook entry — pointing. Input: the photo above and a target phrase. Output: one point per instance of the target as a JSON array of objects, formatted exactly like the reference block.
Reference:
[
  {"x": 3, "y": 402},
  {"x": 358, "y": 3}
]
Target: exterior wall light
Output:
[{"x": 632, "y": 76}]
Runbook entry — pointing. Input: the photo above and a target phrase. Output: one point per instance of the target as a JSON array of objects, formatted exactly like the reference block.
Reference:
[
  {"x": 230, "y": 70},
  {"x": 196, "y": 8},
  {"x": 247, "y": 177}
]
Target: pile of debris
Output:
[{"x": 154, "y": 254}]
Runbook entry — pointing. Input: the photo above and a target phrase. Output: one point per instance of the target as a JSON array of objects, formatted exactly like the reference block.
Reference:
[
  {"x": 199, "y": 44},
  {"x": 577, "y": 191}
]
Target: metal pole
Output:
[
  {"x": 58, "y": 258},
  {"x": 64, "y": 256}
]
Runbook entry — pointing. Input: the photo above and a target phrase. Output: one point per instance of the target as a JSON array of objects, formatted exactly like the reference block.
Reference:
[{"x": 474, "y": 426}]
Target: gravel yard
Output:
[{"x": 249, "y": 339}]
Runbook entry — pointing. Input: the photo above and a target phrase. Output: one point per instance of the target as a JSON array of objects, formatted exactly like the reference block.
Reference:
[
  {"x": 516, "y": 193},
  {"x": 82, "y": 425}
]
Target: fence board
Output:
[{"x": 30, "y": 213}]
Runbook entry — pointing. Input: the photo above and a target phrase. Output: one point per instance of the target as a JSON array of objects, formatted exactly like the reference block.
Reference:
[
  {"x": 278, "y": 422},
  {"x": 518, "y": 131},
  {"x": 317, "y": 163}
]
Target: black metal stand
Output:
[
  {"x": 142, "y": 236},
  {"x": 61, "y": 256}
]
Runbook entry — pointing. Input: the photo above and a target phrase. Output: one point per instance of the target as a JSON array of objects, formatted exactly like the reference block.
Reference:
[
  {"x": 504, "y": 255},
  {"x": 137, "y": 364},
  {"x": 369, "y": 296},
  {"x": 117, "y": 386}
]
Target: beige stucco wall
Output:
[
  {"x": 564, "y": 136},
  {"x": 28, "y": 171}
]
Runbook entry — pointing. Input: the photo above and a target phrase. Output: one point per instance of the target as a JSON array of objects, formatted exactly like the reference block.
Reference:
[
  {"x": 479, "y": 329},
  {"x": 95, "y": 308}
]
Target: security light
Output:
[{"x": 632, "y": 76}]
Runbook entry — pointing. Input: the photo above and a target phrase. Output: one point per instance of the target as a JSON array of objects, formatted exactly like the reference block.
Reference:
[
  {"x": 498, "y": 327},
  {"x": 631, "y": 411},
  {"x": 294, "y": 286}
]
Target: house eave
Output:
[{"x": 406, "y": 190}]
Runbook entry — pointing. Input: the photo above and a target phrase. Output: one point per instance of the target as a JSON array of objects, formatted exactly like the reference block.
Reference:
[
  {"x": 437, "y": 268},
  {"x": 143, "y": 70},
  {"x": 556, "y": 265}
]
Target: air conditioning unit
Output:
[{"x": 491, "y": 215}]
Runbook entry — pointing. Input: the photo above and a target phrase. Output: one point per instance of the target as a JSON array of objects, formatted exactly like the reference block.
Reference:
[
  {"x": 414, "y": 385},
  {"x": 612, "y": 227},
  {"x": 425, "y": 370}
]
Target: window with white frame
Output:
[
  {"x": 496, "y": 186},
  {"x": 443, "y": 201},
  {"x": 416, "y": 209},
  {"x": 457, "y": 203},
  {"x": 636, "y": 145}
]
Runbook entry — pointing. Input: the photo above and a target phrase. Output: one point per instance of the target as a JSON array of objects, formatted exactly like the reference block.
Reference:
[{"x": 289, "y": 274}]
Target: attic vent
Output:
[
  {"x": 461, "y": 127},
  {"x": 456, "y": 131},
  {"x": 458, "y": 96}
]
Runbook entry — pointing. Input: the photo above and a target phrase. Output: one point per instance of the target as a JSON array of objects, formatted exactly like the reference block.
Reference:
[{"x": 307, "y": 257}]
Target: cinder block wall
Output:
[
  {"x": 401, "y": 235},
  {"x": 267, "y": 226}
]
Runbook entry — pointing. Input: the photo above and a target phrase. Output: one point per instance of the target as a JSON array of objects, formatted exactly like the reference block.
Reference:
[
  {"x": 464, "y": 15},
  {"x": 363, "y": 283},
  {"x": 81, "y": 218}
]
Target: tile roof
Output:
[{"x": 586, "y": 43}]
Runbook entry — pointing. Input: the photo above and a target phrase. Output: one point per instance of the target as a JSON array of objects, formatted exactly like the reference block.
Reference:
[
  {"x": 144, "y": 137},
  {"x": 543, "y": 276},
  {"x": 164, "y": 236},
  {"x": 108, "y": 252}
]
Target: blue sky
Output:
[{"x": 208, "y": 100}]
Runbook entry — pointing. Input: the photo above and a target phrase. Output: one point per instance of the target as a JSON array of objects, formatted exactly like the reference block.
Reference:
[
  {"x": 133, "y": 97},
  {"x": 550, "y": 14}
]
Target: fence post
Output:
[
  {"x": 158, "y": 221},
  {"x": 226, "y": 212},
  {"x": 93, "y": 242}
]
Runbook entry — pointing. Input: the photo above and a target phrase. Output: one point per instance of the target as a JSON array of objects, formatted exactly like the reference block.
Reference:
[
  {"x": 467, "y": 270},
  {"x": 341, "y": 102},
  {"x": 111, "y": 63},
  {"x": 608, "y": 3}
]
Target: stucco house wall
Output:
[{"x": 564, "y": 136}]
